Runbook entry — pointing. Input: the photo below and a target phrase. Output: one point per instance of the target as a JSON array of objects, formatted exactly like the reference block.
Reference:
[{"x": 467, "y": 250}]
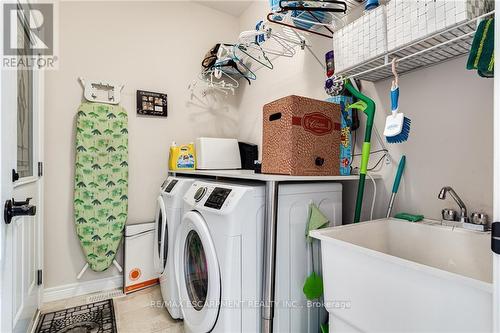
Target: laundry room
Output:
[{"x": 249, "y": 166}]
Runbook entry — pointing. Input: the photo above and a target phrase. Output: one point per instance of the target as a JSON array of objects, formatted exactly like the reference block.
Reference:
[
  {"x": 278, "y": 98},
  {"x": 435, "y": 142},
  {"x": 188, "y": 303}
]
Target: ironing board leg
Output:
[
  {"x": 268, "y": 283},
  {"x": 117, "y": 265},
  {"x": 78, "y": 277}
]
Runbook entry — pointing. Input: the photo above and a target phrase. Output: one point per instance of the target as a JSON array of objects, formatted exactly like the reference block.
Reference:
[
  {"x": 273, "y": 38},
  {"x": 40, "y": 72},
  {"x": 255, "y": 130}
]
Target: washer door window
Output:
[
  {"x": 160, "y": 240},
  {"x": 198, "y": 273}
]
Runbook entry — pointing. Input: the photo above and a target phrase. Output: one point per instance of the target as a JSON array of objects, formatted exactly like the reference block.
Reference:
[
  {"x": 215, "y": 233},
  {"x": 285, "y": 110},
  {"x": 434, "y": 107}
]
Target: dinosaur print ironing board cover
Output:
[{"x": 101, "y": 181}]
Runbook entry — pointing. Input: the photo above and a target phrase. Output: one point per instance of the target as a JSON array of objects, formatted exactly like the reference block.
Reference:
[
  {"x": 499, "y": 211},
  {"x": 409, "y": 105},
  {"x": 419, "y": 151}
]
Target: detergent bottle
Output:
[{"x": 182, "y": 157}]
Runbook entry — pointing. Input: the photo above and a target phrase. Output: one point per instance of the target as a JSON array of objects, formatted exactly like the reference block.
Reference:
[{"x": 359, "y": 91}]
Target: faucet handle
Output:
[
  {"x": 449, "y": 214},
  {"x": 479, "y": 218}
]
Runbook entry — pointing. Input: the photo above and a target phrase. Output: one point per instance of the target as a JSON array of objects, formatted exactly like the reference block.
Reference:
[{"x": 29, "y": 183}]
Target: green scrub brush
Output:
[
  {"x": 397, "y": 126},
  {"x": 313, "y": 286}
]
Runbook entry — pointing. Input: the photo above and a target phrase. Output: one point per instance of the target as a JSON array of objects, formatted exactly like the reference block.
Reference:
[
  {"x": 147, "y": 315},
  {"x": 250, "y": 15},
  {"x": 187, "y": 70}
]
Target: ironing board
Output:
[{"x": 101, "y": 181}]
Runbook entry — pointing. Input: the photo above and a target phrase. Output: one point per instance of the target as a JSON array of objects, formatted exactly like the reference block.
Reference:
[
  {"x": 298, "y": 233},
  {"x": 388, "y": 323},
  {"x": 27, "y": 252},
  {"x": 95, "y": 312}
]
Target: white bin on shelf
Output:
[
  {"x": 361, "y": 40},
  {"x": 411, "y": 20}
]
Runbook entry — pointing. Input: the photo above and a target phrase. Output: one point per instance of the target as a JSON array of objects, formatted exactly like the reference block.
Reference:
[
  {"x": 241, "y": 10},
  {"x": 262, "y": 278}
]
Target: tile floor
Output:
[{"x": 139, "y": 312}]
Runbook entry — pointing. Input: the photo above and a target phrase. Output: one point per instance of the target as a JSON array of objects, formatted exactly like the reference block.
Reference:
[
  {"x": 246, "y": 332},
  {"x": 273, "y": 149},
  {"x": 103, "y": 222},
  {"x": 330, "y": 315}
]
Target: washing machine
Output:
[
  {"x": 218, "y": 257},
  {"x": 168, "y": 218},
  {"x": 293, "y": 312}
]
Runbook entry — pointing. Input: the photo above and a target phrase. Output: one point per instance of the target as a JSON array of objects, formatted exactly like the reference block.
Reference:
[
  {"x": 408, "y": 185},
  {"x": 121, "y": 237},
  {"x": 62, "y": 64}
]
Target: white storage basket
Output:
[
  {"x": 361, "y": 40},
  {"x": 411, "y": 20}
]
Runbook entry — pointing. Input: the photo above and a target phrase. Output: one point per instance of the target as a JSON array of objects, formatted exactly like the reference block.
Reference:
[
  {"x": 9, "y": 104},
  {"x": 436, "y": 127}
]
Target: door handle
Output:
[{"x": 19, "y": 208}]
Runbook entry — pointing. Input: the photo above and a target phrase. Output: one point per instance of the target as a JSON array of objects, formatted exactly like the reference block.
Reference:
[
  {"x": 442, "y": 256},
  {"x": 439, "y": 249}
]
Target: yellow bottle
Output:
[{"x": 182, "y": 157}]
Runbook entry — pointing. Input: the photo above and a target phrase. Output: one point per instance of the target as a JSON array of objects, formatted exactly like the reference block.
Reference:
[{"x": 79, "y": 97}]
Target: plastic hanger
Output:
[
  {"x": 278, "y": 18},
  {"x": 260, "y": 57},
  {"x": 331, "y": 6},
  {"x": 228, "y": 62}
]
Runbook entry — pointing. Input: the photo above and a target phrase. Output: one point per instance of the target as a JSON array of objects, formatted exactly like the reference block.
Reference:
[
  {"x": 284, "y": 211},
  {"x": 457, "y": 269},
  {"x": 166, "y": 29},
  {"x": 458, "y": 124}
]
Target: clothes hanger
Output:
[
  {"x": 274, "y": 17},
  {"x": 260, "y": 57},
  {"x": 229, "y": 63},
  {"x": 331, "y": 6},
  {"x": 266, "y": 40}
]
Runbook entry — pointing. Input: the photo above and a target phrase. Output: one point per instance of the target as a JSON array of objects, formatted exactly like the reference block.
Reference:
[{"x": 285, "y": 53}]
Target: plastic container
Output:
[{"x": 182, "y": 157}]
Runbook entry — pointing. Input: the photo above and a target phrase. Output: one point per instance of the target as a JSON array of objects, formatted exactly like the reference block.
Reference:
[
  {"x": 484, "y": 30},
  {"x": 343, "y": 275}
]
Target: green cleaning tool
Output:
[
  {"x": 397, "y": 126},
  {"x": 409, "y": 217},
  {"x": 367, "y": 105},
  {"x": 313, "y": 286},
  {"x": 395, "y": 186}
]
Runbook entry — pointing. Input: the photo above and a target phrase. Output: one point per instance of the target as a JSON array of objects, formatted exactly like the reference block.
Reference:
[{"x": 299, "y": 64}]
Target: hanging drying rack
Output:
[{"x": 439, "y": 47}]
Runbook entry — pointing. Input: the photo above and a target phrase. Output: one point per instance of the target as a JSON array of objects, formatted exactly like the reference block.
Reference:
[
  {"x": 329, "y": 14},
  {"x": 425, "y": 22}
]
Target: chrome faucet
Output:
[{"x": 463, "y": 210}]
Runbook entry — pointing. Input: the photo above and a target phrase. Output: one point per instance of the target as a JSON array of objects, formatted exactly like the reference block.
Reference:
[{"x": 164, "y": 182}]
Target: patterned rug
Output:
[{"x": 97, "y": 317}]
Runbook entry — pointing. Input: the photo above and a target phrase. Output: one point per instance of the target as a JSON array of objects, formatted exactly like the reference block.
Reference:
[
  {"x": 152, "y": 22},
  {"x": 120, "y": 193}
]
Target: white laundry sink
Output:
[{"x": 393, "y": 275}]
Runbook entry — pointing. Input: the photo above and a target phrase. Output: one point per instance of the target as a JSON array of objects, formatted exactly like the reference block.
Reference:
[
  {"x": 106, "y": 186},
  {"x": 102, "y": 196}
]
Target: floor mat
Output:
[{"x": 97, "y": 317}]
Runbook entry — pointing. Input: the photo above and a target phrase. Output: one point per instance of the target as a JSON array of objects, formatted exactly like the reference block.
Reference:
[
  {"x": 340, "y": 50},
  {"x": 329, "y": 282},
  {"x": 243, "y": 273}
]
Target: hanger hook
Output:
[{"x": 395, "y": 73}]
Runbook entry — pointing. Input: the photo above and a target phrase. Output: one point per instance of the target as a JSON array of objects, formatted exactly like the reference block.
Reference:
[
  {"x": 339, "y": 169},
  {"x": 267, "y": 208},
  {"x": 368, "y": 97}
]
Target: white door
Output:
[
  {"x": 21, "y": 240},
  {"x": 496, "y": 180}
]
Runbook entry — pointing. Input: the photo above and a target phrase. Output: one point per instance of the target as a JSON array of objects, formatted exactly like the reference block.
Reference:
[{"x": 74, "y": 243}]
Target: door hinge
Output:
[
  {"x": 40, "y": 169},
  {"x": 39, "y": 277},
  {"x": 15, "y": 175},
  {"x": 495, "y": 237}
]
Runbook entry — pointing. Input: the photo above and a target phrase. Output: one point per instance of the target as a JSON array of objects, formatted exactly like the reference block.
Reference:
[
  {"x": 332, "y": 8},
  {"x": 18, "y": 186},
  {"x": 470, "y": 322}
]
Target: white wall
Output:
[
  {"x": 451, "y": 135},
  {"x": 155, "y": 46}
]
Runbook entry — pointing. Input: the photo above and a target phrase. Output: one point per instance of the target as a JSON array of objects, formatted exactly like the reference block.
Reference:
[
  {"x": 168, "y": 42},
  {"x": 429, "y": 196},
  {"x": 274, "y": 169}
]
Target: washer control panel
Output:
[
  {"x": 217, "y": 197},
  {"x": 171, "y": 185},
  {"x": 200, "y": 193}
]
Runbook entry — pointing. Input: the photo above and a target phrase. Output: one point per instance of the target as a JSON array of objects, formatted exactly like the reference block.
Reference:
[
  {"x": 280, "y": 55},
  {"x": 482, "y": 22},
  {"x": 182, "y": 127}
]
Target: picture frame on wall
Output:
[{"x": 151, "y": 104}]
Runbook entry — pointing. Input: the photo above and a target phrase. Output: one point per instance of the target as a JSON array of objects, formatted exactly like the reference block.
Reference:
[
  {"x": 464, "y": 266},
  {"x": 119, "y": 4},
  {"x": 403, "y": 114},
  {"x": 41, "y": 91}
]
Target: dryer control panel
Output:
[{"x": 217, "y": 197}]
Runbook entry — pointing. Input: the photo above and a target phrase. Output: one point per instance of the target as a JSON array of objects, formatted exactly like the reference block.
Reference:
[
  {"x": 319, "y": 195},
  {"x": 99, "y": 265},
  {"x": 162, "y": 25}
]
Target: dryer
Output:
[
  {"x": 168, "y": 218},
  {"x": 218, "y": 255}
]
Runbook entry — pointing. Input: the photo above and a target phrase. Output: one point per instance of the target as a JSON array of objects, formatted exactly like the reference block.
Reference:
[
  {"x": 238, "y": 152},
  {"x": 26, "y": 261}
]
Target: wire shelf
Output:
[{"x": 442, "y": 46}]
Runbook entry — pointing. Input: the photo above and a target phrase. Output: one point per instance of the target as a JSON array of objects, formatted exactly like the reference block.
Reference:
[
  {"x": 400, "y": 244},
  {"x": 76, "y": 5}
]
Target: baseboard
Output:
[{"x": 82, "y": 288}]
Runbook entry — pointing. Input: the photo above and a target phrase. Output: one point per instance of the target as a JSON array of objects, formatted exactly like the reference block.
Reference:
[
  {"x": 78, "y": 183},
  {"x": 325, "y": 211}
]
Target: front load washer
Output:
[
  {"x": 218, "y": 257},
  {"x": 168, "y": 218}
]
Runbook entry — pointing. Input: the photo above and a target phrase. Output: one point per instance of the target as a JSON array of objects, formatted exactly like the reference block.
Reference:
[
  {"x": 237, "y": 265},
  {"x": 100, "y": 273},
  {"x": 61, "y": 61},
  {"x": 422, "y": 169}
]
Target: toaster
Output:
[{"x": 217, "y": 153}]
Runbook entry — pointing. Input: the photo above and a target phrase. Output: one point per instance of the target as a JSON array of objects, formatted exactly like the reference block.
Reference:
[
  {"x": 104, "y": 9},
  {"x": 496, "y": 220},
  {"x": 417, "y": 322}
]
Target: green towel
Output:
[
  {"x": 317, "y": 220},
  {"x": 481, "y": 56},
  {"x": 101, "y": 181}
]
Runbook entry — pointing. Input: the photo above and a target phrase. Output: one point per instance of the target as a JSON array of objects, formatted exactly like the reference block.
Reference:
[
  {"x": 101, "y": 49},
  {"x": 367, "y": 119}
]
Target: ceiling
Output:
[{"x": 234, "y": 8}]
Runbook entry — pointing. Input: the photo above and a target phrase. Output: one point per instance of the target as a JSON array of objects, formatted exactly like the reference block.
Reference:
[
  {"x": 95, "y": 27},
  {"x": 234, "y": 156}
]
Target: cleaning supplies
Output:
[
  {"x": 367, "y": 105},
  {"x": 397, "y": 126},
  {"x": 395, "y": 186},
  {"x": 409, "y": 217},
  {"x": 346, "y": 122},
  {"x": 313, "y": 286},
  {"x": 182, "y": 157},
  {"x": 481, "y": 56}
]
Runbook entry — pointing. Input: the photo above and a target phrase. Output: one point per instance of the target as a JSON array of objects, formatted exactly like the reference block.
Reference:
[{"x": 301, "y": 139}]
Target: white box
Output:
[
  {"x": 217, "y": 153},
  {"x": 139, "y": 271}
]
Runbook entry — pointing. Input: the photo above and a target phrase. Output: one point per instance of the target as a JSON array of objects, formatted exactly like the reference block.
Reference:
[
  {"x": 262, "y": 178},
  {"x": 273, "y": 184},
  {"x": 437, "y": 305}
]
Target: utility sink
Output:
[{"x": 391, "y": 275}]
